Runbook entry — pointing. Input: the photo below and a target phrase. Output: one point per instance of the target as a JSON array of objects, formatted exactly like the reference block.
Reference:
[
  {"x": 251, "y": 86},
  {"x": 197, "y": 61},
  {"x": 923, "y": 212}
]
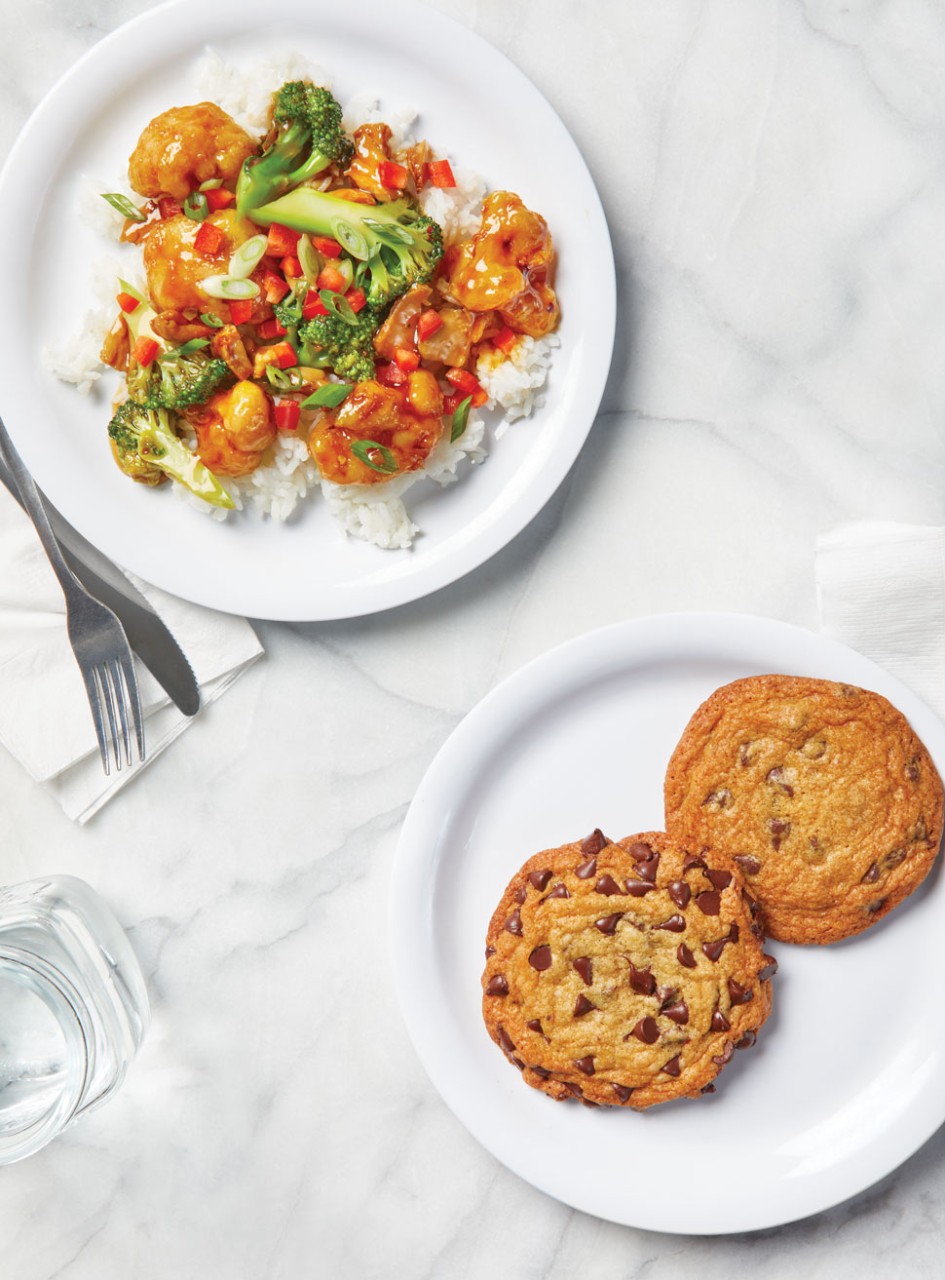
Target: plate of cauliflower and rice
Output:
[{"x": 333, "y": 295}]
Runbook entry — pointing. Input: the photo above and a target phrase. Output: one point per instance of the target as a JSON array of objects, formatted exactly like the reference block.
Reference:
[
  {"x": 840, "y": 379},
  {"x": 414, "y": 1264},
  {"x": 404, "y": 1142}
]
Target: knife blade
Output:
[{"x": 147, "y": 634}]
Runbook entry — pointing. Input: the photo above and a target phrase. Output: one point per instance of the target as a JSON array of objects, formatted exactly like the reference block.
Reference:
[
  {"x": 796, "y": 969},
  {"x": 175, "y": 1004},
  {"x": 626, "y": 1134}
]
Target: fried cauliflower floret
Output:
[
  {"x": 506, "y": 267},
  {"x": 186, "y": 146},
  {"x": 175, "y": 268},
  {"x": 234, "y": 428},
  {"x": 399, "y": 425}
]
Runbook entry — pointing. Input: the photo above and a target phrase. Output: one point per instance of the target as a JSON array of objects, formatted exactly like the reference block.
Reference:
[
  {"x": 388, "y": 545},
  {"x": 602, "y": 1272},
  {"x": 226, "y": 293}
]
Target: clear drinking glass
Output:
[{"x": 73, "y": 1009}]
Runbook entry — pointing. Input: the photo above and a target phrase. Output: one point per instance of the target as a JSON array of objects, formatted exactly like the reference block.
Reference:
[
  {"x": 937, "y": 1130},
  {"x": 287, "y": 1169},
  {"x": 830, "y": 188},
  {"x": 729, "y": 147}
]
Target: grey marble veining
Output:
[{"x": 772, "y": 174}]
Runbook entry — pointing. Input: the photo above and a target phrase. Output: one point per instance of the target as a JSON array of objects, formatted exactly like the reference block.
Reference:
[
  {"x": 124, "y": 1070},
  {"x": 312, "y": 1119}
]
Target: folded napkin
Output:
[
  {"x": 44, "y": 714},
  {"x": 881, "y": 590}
]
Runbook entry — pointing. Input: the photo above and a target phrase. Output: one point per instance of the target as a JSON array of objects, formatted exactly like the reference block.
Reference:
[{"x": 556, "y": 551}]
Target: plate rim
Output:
[
  {"x": 348, "y": 598},
  {"x": 406, "y": 882}
]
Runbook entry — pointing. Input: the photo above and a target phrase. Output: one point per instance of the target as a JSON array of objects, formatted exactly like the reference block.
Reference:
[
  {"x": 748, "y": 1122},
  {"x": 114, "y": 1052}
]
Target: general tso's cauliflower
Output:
[
  {"x": 175, "y": 268},
  {"x": 234, "y": 428},
  {"x": 184, "y": 147}
]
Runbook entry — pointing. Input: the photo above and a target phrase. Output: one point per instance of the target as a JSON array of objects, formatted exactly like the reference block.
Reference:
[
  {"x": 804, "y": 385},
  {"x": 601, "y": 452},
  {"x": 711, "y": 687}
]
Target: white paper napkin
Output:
[
  {"x": 881, "y": 590},
  {"x": 45, "y": 719}
]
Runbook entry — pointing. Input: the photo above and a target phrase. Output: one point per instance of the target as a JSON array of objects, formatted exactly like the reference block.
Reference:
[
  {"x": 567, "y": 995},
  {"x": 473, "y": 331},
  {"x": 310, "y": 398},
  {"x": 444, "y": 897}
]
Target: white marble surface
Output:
[{"x": 773, "y": 177}]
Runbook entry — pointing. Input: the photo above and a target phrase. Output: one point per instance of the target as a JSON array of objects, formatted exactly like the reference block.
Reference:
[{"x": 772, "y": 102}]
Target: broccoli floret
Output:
[
  {"x": 306, "y": 138},
  {"x": 396, "y": 244},
  {"x": 177, "y": 380},
  {"x": 346, "y": 346},
  {"x": 147, "y": 448}
]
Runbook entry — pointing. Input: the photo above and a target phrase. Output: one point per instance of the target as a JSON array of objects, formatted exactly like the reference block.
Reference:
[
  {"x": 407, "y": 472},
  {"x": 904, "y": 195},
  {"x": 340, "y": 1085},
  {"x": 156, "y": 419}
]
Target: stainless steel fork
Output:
[{"x": 97, "y": 637}]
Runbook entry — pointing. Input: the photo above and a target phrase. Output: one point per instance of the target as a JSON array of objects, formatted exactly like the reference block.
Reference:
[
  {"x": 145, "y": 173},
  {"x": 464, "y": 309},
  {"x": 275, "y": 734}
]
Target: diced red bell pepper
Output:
[
  {"x": 427, "y": 324},
  {"x": 209, "y": 239},
  {"x": 505, "y": 339},
  {"x": 391, "y": 175},
  {"x": 270, "y": 329},
  {"x": 168, "y": 207},
  {"x": 441, "y": 175},
  {"x": 219, "y": 198},
  {"x": 325, "y": 245},
  {"x": 144, "y": 351},
  {"x": 463, "y": 381},
  {"x": 291, "y": 266},
  {"x": 281, "y": 240},
  {"x": 356, "y": 299},
  {"x": 313, "y": 306},
  {"x": 127, "y": 302},
  {"x": 391, "y": 375},
  {"x": 285, "y": 414},
  {"x": 282, "y": 355},
  {"x": 274, "y": 287},
  {"x": 331, "y": 278},
  {"x": 452, "y": 403},
  {"x": 406, "y": 359},
  {"x": 241, "y": 311}
]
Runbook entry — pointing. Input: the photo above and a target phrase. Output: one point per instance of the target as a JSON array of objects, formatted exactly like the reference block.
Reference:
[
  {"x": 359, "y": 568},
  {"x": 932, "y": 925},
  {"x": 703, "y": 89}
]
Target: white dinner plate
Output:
[
  {"x": 476, "y": 107},
  {"x": 846, "y": 1079}
]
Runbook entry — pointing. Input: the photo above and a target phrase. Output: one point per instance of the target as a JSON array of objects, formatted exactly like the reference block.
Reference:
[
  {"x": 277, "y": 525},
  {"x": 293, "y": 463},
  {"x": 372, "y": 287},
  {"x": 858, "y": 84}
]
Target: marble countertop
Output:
[{"x": 773, "y": 178}]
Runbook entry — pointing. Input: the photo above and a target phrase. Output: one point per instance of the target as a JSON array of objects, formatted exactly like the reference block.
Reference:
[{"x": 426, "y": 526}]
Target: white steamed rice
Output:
[{"x": 372, "y": 513}]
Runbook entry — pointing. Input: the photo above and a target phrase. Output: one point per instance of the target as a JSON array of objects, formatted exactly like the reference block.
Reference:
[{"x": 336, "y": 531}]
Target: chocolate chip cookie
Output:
[
  {"x": 627, "y": 973},
  {"x": 822, "y": 793}
]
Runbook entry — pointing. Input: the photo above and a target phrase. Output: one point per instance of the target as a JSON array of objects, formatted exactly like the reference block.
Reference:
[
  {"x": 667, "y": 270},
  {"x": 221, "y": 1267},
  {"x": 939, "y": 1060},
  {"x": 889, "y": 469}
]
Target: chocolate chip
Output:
[
  {"x": 719, "y": 1021},
  {"x": 769, "y": 970},
  {"x": 646, "y": 1030},
  {"x": 539, "y": 879},
  {"x": 744, "y": 754},
  {"x": 912, "y": 771},
  {"x": 574, "y": 1088},
  {"x": 638, "y": 887},
  {"x": 894, "y": 857},
  {"x": 709, "y": 903},
  {"x": 779, "y": 829},
  {"x": 586, "y": 869},
  {"x": 641, "y": 980},
  {"x": 720, "y": 799},
  {"x": 671, "y": 1068},
  {"x": 739, "y": 994},
  {"x": 778, "y": 776},
  {"x": 685, "y": 956},
  {"x": 640, "y": 851},
  {"x": 607, "y": 885},
  {"x": 693, "y": 860},
  {"x": 707, "y": 1088},
  {"x": 540, "y": 1072},
  {"x": 490, "y": 951},
  {"x": 559, "y": 891},
  {"x": 876, "y": 906},
  {"x": 675, "y": 924},
  {"x": 505, "y": 1040},
  {"x": 622, "y": 1092},
  {"x": 647, "y": 860},
  {"x": 540, "y": 958},
  {"x": 594, "y": 843},
  {"x": 725, "y": 1056},
  {"x": 921, "y": 830},
  {"x": 747, "y": 1040},
  {"x": 534, "y": 1024},
  {"x": 582, "y": 1006},
  {"x": 814, "y": 748},
  {"x": 680, "y": 892},
  {"x": 514, "y": 923},
  {"x": 751, "y": 866},
  {"x": 608, "y": 924},
  {"x": 585, "y": 968},
  {"x": 498, "y": 985},
  {"x": 721, "y": 879},
  {"x": 678, "y": 1013},
  {"x": 715, "y": 948},
  {"x": 519, "y": 894},
  {"x": 585, "y": 1064}
]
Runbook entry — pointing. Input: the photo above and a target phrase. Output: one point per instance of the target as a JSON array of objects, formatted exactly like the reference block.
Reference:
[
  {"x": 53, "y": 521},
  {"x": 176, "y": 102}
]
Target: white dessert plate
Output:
[
  {"x": 846, "y": 1079},
  {"x": 476, "y": 107}
]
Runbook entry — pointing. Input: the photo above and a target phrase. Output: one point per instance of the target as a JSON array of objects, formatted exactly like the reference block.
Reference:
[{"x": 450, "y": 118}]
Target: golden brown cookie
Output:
[
  {"x": 624, "y": 974},
  {"x": 822, "y": 793}
]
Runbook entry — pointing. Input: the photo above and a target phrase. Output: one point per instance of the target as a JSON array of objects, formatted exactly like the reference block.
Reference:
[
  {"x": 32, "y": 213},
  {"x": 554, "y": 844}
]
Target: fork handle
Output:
[{"x": 33, "y": 505}]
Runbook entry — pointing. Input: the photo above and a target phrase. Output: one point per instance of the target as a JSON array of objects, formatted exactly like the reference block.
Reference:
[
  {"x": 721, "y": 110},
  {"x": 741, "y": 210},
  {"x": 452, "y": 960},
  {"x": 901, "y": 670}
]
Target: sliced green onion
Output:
[
  {"x": 124, "y": 206},
  {"x": 346, "y": 267},
  {"x": 284, "y": 379},
  {"x": 187, "y": 349},
  {"x": 338, "y": 305},
  {"x": 309, "y": 258},
  {"x": 130, "y": 289},
  {"x": 329, "y": 397},
  {"x": 351, "y": 239},
  {"x": 228, "y": 287},
  {"x": 196, "y": 207},
  {"x": 208, "y": 318},
  {"x": 389, "y": 232},
  {"x": 385, "y": 462},
  {"x": 247, "y": 257},
  {"x": 459, "y": 419},
  {"x": 211, "y": 184}
]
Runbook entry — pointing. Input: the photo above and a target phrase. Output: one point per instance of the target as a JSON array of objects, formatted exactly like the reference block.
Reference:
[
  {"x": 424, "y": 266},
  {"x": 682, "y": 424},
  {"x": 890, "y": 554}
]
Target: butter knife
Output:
[{"x": 146, "y": 632}]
